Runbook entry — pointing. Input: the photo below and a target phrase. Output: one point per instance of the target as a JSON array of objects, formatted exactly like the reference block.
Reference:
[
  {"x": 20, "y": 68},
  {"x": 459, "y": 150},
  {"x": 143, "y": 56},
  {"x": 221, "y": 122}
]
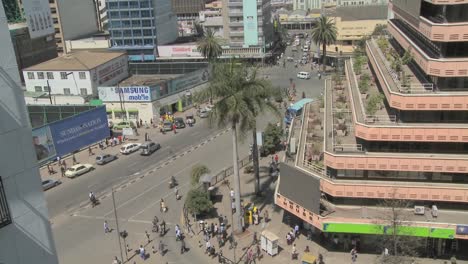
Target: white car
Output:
[
  {"x": 130, "y": 148},
  {"x": 78, "y": 170},
  {"x": 49, "y": 183}
]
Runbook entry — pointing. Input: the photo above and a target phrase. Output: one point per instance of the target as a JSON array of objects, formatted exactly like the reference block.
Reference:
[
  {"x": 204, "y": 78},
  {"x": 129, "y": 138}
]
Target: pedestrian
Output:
[
  {"x": 106, "y": 227},
  {"x": 215, "y": 230},
  {"x": 174, "y": 128},
  {"x": 62, "y": 170},
  {"x": 116, "y": 261},
  {"x": 128, "y": 248},
  {"x": 90, "y": 151},
  {"x": 182, "y": 246},
  {"x": 296, "y": 231},
  {"x": 74, "y": 159},
  {"x": 294, "y": 252},
  {"x": 153, "y": 249},
  {"x": 225, "y": 221},
  {"x": 50, "y": 169},
  {"x": 232, "y": 194},
  {"x": 212, "y": 233},
  {"x": 147, "y": 236},
  {"x": 276, "y": 158},
  {"x": 142, "y": 252},
  {"x": 207, "y": 246},
  {"x": 353, "y": 255},
  {"x": 161, "y": 247},
  {"x": 64, "y": 164},
  {"x": 107, "y": 142},
  {"x": 146, "y": 136},
  {"x": 101, "y": 146},
  {"x": 265, "y": 216}
]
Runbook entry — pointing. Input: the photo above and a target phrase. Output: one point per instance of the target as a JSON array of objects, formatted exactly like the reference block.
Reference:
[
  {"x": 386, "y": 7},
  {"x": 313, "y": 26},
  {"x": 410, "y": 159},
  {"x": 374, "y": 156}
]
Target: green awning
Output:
[
  {"x": 132, "y": 110},
  {"x": 95, "y": 102},
  {"x": 117, "y": 110},
  {"x": 108, "y": 110}
]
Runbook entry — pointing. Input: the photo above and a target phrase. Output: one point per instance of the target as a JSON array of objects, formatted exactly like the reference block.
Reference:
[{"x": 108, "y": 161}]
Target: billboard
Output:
[
  {"x": 250, "y": 22},
  {"x": 39, "y": 18},
  {"x": 70, "y": 134},
  {"x": 179, "y": 51},
  {"x": 127, "y": 94}
]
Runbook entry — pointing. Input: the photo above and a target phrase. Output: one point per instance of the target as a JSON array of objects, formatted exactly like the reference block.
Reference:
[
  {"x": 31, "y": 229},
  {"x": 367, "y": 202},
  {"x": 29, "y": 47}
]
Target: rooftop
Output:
[
  {"x": 76, "y": 61},
  {"x": 146, "y": 79},
  {"x": 17, "y": 25},
  {"x": 372, "y": 12}
]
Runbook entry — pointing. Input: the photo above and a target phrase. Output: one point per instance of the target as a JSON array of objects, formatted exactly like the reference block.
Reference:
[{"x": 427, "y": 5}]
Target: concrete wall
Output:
[
  {"x": 78, "y": 18},
  {"x": 28, "y": 239}
]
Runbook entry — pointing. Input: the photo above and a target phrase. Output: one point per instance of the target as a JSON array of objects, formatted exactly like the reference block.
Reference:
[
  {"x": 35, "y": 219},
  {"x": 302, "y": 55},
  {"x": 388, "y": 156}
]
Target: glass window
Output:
[
  {"x": 40, "y": 75},
  {"x": 116, "y": 33},
  {"x": 133, "y": 115},
  {"x": 127, "y": 33},
  {"x": 63, "y": 75},
  {"x": 123, "y": 4},
  {"x": 146, "y": 23},
  {"x": 137, "y": 33},
  {"x": 66, "y": 91},
  {"x": 124, "y": 14},
  {"x": 113, "y": 14},
  {"x": 112, "y": 5},
  {"x": 46, "y": 88},
  {"x": 147, "y": 32},
  {"x": 137, "y": 42},
  {"x": 38, "y": 88},
  {"x": 83, "y": 91},
  {"x": 31, "y": 75},
  {"x": 115, "y": 24},
  {"x": 148, "y": 42},
  {"x": 145, "y": 13},
  {"x": 128, "y": 42},
  {"x": 144, "y": 4},
  {"x": 126, "y": 24},
  {"x": 118, "y": 42},
  {"x": 120, "y": 115},
  {"x": 82, "y": 75},
  {"x": 136, "y": 23},
  {"x": 134, "y": 4},
  {"x": 50, "y": 75},
  {"x": 135, "y": 14}
]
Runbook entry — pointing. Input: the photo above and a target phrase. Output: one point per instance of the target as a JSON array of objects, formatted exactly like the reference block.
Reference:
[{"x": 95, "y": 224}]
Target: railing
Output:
[
  {"x": 381, "y": 119},
  {"x": 5, "y": 217},
  {"x": 416, "y": 88},
  {"x": 347, "y": 147},
  {"x": 314, "y": 167}
]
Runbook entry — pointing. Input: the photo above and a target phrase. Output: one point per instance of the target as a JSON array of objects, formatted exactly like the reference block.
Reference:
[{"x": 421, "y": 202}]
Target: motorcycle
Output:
[{"x": 172, "y": 183}]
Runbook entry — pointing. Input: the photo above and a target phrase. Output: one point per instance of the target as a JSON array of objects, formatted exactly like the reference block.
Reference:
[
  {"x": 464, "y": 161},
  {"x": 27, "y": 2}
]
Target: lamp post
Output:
[{"x": 117, "y": 225}]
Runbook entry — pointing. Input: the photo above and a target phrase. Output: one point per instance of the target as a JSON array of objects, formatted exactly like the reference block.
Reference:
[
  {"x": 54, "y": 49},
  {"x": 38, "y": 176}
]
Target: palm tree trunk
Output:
[
  {"x": 237, "y": 227},
  {"x": 324, "y": 61},
  {"x": 255, "y": 160}
]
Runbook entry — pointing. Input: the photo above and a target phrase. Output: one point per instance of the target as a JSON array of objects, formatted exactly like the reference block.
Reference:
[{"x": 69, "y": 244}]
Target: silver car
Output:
[
  {"x": 105, "y": 158},
  {"x": 148, "y": 148},
  {"x": 49, "y": 183}
]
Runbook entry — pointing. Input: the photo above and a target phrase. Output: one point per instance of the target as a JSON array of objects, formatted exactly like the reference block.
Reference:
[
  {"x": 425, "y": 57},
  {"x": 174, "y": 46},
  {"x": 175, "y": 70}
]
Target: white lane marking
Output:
[{"x": 163, "y": 181}]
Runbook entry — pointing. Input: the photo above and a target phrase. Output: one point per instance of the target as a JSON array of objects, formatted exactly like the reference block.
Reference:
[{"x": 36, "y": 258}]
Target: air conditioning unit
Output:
[{"x": 419, "y": 210}]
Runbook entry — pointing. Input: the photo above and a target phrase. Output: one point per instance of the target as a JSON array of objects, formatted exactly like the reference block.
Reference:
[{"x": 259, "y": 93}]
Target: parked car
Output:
[
  {"x": 123, "y": 124},
  {"x": 49, "y": 183},
  {"x": 179, "y": 122},
  {"x": 129, "y": 148},
  {"x": 203, "y": 113},
  {"x": 167, "y": 125},
  {"x": 78, "y": 170},
  {"x": 148, "y": 148},
  {"x": 105, "y": 158},
  {"x": 303, "y": 75}
]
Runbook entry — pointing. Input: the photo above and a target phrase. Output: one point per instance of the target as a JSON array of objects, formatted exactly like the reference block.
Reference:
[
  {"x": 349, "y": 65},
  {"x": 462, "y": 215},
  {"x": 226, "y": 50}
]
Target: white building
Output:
[
  {"x": 25, "y": 232},
  {"x": 361, "y": 2},
  {"x": 78, "y": 73}
]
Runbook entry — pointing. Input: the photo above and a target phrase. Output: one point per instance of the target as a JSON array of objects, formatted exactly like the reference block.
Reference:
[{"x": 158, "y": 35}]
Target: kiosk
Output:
[{"x": 269, "y": 242}]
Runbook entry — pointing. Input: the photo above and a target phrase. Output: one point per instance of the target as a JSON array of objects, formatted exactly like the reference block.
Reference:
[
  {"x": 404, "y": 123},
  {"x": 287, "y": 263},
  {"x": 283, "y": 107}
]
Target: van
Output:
[
  {"x": 303, "y": 75},
  {"x": 148, "y": 148},
  {"x": 167, "y": 125}
]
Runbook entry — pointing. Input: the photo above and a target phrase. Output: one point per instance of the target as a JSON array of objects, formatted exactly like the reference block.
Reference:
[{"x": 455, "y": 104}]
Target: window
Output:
[
  {"x": 63, "y": 75},
  {"x": 83, "y": 91},
  {"x": 115, "y": 24},
  {"x": 146, "y": 23},
  {"x": 144, "y": 4},
  {"x": 46, "y": 88},
  {"x": 31, "y": 75},
  {"x": 127, "y": 33},
  {"x": 134, "y": 4},
  {"x": 147, "y": 32},
  {"x": 40, "y": 75},
  {"x": 148, "y": 42},
  {"x": 66, "y": 91},
  {"x": 137, "y": 42},
  {"x": 125, "y": 23},
  {"x": 128, "y": 42},
  {"x": 145, "y": 13},
  {"x": 5, "y": 217},
  {"x": 38, "y": 88},
  {"x": 137, "y": 33},
  {"x": 82, "y": 75},
  {"x": 136, "y": 23},
  {"x": 50, "y": 75},
  {"x": 135, "y": 14}
]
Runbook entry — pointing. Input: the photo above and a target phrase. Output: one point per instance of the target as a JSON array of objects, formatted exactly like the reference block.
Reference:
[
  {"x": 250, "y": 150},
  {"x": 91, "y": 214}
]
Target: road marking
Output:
[{"x": 163, "y": 181}]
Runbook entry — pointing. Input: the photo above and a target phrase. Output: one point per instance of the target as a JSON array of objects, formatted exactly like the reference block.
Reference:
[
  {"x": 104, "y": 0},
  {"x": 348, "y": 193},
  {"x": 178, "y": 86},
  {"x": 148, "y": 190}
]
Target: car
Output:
[
  {"x": 209, "y": 108},
  {"x": 105, "y": 158},
  {"x": 129, "y": 148},
  {"x": 49, "y": 183},
  {"x": 148, "y": 148},
  {"x": 167, "y": 125},
  {"x": 203, "y": 113},
  {"x": 123, "y": 124},
  {"x": 303, "y": 75},
  {"x": 77, "y": 170},
  {"x": 179, "y": 122},
  {"x": 290, "y": 59}
]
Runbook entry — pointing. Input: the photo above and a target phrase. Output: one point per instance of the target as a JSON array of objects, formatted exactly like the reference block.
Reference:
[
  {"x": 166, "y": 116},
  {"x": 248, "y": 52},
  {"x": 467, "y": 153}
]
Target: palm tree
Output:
[
  {"x": 324, "y": 33},
  {"x": 241, "y": 96},
  {"x": 209, "y": 46}
]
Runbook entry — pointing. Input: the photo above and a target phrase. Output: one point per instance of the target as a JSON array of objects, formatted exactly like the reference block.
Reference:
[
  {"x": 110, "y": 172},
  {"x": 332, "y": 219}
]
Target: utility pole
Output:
[
  {"x": 255, "y": 161},
  {"x": 117, "y": 225},
  {"x": 50, "y": 95}
]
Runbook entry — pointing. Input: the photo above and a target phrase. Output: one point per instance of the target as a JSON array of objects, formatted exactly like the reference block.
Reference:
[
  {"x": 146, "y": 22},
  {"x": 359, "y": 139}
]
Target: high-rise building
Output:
[
  {"x": 248, "y": 24},
  {"x": 393, "y": 131},
  {"x": 307, "y": 4},
  {"x": 360, "y": 2},
  {"x": 188, "y": 8},
  {"x": 138, "y": 26},
  {"x": 25, "y": 232}
]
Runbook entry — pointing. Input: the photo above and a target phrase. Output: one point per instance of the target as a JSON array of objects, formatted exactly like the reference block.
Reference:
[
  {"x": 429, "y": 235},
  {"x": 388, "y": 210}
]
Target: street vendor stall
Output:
[
  {"x": 308, "y": 258},
  {"x": 269, "y": 242}
]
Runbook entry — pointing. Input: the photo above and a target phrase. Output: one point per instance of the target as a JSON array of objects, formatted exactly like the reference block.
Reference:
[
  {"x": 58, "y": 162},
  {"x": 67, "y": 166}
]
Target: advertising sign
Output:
[
  {"x": 43, "y": 143},
  {"x": 250, "y": 22},
  {"x": 462, "y": 229},
  {"x": 76, "y": 132},
  {"x": 179, "y": 51},
  {"x": 126, "y": 94},
  {"x": 38, "y": 16}
]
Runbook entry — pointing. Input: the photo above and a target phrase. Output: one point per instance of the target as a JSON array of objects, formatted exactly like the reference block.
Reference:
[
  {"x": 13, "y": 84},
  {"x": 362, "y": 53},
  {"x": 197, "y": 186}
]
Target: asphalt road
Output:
[{"x": 71, "y": 193}]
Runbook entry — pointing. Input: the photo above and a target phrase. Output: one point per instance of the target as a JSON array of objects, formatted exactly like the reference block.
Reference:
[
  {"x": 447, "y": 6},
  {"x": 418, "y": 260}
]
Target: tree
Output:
[
  {"x": 199, "y": 29},
  {"x": 397, "y": 238},
  {"x": 12, "y": 11},
  {"x": 198, "y": 202},
  {"x": 209, "y": 46},
  {"x": 272, "y": 137},
  {"x": 197, "y": 171},
  {"x": 359, "y": 61},
  {"x": 325, "y": 34},
  {"x": 374, "y": 103},
  {"x": 240, "y": 96},
  {"x": 407, "y": 57},
  {"x": 379, "y": 30}
]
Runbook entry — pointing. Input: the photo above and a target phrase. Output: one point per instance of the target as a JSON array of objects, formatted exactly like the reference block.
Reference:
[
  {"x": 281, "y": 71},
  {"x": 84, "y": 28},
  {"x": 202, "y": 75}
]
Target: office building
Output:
[
  {"x": 30, "y": 51},
  {"x": 77, "y": 73},
  {"x": 248, "y": 25},
  {"x": 360, "y": 2},
  {"x": 395, "y": 129},
  {"x": 188, "y": 9},
  {"x": 138, "y": 26},
  {"x": 307, "y": 4},
  {"x": 25, "y": 232}
]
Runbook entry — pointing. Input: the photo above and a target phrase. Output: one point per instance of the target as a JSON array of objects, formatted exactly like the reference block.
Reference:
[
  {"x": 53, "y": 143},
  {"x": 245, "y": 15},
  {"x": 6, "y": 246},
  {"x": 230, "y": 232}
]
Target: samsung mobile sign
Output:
[{"x": 126, "y": 94}]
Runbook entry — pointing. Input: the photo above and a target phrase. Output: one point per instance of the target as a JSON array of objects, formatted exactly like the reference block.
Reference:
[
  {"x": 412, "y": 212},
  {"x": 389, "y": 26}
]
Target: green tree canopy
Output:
[
  {"x": 272, "y": 137},
  {"x": 197, "y": 171},
  {"x": 198, "y": 202},
  {"x": 209, "y": 46}
]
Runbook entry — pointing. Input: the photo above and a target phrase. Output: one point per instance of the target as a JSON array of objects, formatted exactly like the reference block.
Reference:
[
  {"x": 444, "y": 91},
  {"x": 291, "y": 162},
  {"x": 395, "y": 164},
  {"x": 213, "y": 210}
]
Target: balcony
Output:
[
  {"x": 236, "y": 33},
  {"x": 5, "y": 217},
  {"x": 419, "y": 93},
  {"x": 427, "y": 57}
]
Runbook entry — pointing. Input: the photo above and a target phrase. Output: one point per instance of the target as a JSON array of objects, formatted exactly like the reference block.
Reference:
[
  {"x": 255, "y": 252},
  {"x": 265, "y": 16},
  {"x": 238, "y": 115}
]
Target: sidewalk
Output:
[{"x": 275, "y": 225}]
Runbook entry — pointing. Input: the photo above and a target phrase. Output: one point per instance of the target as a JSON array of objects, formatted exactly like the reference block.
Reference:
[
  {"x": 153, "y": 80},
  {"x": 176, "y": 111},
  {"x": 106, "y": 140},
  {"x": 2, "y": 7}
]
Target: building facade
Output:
[
  {"x": 188, "y": 9},
  {"x": 138, "y": 26},
  {"x": 395, "y": 129},
  {"x": 360, "y": 2},
  {"x": 25, "y": 232},
  {"x": 78, "y": 73},
  {"x": 30, "y": 51},
  {"x": 248, "y": 24}
]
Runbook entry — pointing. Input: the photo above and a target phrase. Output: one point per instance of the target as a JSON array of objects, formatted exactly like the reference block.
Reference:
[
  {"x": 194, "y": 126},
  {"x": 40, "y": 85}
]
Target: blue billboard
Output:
[{"x": 70, "y": 134}]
